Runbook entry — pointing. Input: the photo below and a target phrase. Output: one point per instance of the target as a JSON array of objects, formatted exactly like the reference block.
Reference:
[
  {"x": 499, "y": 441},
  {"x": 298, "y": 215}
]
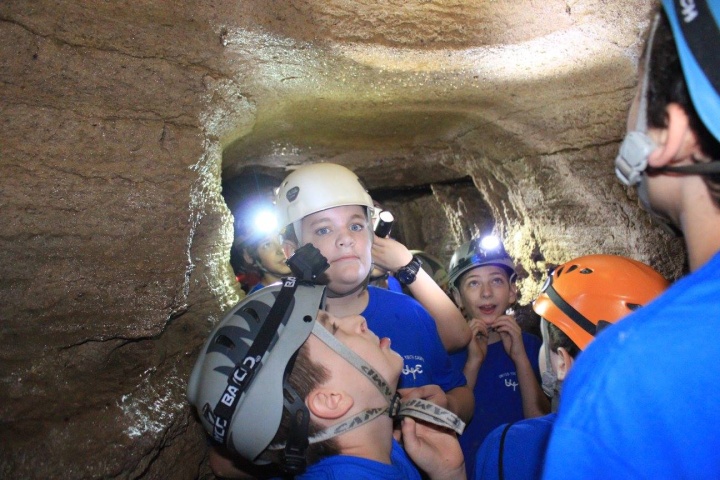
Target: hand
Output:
[
  {"x": 431, "y": 393},
  {"x": 510, "y": 334},
  {"x": 478, "y": 346},
  {"x": 389, "y": 254},
  {"x": 434, "y": 449}
]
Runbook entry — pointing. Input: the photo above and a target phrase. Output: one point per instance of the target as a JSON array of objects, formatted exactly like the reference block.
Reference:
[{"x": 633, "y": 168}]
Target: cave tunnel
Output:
[{"x": 125, "y": 125}]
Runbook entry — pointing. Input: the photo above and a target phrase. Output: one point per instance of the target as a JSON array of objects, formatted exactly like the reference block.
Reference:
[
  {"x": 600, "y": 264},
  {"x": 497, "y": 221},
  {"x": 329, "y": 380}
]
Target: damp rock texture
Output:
[{"x": 119, "y": 121}]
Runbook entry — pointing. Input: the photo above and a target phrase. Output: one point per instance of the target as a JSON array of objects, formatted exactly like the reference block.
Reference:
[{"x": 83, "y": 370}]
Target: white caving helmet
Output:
[{"x": 316, "y": 187}]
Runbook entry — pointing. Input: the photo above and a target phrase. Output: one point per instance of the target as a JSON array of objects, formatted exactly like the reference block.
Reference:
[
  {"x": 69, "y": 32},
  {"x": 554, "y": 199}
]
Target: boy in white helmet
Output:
[
  {"x": 643, "y": 401},
  {"x": 326, "y": 205},
  {"x": 279, "y": 382}
]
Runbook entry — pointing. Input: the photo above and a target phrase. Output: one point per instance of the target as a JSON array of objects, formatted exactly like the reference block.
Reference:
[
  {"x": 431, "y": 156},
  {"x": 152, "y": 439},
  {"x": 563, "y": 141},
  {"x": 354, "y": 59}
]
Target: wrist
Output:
[{"x": 407, "y": 274}]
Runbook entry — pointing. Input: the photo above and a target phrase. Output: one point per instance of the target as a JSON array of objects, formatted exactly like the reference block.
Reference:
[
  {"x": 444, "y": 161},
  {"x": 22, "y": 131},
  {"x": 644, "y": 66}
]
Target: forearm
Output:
[
  {"x": 534, "y": 401},
  {"x": 471, "y": 370},
  {"x": 451, "y": 325},
  {"x": 461, "y": 402}
]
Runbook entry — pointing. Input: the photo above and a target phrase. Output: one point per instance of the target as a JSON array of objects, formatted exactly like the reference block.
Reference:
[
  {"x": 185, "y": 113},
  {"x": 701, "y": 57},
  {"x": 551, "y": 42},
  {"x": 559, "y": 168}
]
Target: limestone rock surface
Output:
[{"x": 120, "y": 122}]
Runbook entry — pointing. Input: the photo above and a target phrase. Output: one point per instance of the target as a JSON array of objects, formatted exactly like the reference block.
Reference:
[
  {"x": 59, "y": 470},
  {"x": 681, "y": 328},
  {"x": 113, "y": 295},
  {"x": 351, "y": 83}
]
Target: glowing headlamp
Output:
[
  {"x": 490, "y": 247},
  {"x": 265, "y": 222}
]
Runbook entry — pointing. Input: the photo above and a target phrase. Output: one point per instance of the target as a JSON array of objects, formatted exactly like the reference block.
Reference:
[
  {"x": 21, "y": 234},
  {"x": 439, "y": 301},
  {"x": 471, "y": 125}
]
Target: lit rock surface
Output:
[{"x": 119, "y": 119}]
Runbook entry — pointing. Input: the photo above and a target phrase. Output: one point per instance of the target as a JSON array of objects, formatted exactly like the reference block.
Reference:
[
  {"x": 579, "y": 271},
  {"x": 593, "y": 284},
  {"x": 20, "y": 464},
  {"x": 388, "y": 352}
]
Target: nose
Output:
[
  {"x": 346, "y": 238},
  {"x": 485, "y": 290}
]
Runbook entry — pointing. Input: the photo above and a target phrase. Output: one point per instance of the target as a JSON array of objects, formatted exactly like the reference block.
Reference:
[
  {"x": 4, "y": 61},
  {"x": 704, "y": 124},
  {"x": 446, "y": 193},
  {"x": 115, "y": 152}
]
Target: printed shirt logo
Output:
[
  {"x": 510, "y": 379},
  {"x": 413, "y": 366}
]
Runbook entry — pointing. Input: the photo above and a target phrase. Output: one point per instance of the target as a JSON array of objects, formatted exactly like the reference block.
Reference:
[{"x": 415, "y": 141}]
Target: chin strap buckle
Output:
[{"x": 394, "y": 408}]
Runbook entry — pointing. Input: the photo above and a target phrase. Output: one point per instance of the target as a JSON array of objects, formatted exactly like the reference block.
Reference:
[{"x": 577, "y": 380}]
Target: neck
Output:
[
  {"x": 372, "y": 440},
  {"x": 351, "y": 304},
  {"x": 269, "y": 278},
  {"x": 700, "y": 224},
  {"x": 493, "y": 337}
]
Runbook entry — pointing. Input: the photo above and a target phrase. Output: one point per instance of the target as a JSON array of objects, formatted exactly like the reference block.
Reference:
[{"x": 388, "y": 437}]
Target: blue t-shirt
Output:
[
  {"x": 414, "y": 336},
  {"x": 523, "y": 450},
  {"x": 344, "y": 467},
  {"x": 394, "y": 284},
  {"x": 643, "y": 400},
  {"x": 497, "y": 393}
]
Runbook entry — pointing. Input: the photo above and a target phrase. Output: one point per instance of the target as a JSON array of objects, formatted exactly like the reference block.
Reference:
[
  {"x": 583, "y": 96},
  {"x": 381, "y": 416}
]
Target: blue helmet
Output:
[
  {"x": 696, "y": 29},
  {"x": 479, "y": 252}
]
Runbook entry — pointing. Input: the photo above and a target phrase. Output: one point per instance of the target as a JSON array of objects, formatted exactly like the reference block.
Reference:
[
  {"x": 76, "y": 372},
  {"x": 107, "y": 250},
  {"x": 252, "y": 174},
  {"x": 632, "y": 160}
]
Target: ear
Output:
[
  {"x": 513, "y": 293},
  {"x": 289, "y": 248},
  {"x": 676, "y": 142},
  {"x": 329, "y": 404},
  {"x": 564, "y": 363},
  {"x": 457, "y": 297},
  {"x": 248, "y": 258}
]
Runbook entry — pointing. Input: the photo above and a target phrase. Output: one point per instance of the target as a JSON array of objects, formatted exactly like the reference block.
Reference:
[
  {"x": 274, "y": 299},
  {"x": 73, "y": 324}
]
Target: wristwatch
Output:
[{"x": 406, "y": 275}]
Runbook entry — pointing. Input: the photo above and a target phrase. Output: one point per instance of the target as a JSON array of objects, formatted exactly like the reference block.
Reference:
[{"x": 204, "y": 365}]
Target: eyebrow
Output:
[
  {"x": 323, "y": 317},
  {"x": 354, "y": 217}
]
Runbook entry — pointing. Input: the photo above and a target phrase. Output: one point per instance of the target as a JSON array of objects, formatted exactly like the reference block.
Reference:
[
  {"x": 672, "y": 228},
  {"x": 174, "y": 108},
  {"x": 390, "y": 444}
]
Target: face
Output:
[
  {"x": 343, "y": 237},
  {"x": 486, "y": 292},
  {"x": 272, "y": 258},
  {"x": 354, "y": 333}
]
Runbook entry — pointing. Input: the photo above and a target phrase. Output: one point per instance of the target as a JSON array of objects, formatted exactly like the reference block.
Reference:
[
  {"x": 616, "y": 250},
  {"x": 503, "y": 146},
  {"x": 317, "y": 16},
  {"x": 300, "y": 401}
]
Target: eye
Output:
[
  {"x": 498, "y": 281},
  {"x": 322, "y": 231},
  {"x": 356, "y": 227}
]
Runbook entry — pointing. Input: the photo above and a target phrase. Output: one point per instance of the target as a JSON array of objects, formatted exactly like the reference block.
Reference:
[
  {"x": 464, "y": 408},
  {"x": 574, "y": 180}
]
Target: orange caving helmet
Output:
[{"x": 586, "y": 294}]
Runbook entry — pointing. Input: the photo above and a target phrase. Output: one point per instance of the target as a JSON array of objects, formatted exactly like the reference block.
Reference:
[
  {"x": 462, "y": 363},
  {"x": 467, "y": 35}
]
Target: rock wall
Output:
[{"x": 119, "y": 120}]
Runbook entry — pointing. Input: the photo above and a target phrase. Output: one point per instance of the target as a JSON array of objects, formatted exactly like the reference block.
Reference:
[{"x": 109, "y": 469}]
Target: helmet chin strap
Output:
[
  {"x": 550, "y": 383},
  {"x": 395, "y": 408}
]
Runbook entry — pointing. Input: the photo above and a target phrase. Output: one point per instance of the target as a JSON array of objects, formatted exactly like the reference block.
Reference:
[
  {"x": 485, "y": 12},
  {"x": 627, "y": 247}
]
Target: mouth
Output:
[
  {"x": 345, "y": 258},
  {"x": 487, "y": 309}
]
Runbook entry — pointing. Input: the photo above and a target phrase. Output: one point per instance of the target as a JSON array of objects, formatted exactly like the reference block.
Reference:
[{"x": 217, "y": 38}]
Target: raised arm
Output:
[
  {"x": 454, "y": 332},
  {"x": 534, "y": 401},
  {"x": 477, "y": 350}
]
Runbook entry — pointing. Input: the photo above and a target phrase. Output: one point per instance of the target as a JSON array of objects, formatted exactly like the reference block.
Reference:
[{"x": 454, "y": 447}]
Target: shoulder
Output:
[
  {"x": 385, "y": 299},
  {"x": 531, "y": 340}
]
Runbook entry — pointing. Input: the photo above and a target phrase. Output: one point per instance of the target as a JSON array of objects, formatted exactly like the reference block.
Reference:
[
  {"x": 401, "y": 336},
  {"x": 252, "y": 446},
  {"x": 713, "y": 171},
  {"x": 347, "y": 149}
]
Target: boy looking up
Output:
[
  {"x": 501, "y": 362},
  {"x": 280, "y": 382}
]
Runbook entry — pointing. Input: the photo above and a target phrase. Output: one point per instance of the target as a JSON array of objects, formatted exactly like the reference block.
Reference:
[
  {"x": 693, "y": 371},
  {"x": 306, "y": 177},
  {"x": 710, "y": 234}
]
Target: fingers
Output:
[
  {"x": 507, "y": 324},
  {"x": 431, "y": 393},
  {"x": 390, "y": 254}
]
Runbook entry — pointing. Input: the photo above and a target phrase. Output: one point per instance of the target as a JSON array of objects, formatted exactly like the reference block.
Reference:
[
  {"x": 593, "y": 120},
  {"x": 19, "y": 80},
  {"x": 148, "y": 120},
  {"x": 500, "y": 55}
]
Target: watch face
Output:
[{"x": 406, "y": 276}]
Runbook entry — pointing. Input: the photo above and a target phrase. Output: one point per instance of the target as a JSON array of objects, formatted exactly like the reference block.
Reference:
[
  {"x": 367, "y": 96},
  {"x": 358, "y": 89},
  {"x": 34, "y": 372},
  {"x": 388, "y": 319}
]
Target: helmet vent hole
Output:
[
  {"x": 307, "y": 319},
  {"x": 585, "y": 271},
  {"x": 633, "y": 306},
  {"x": 252, "y": 312},
  {"x": 572, "y": 268},
  {"x": 225, "y": 341},
  {"x": 560, "y": 271}
]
